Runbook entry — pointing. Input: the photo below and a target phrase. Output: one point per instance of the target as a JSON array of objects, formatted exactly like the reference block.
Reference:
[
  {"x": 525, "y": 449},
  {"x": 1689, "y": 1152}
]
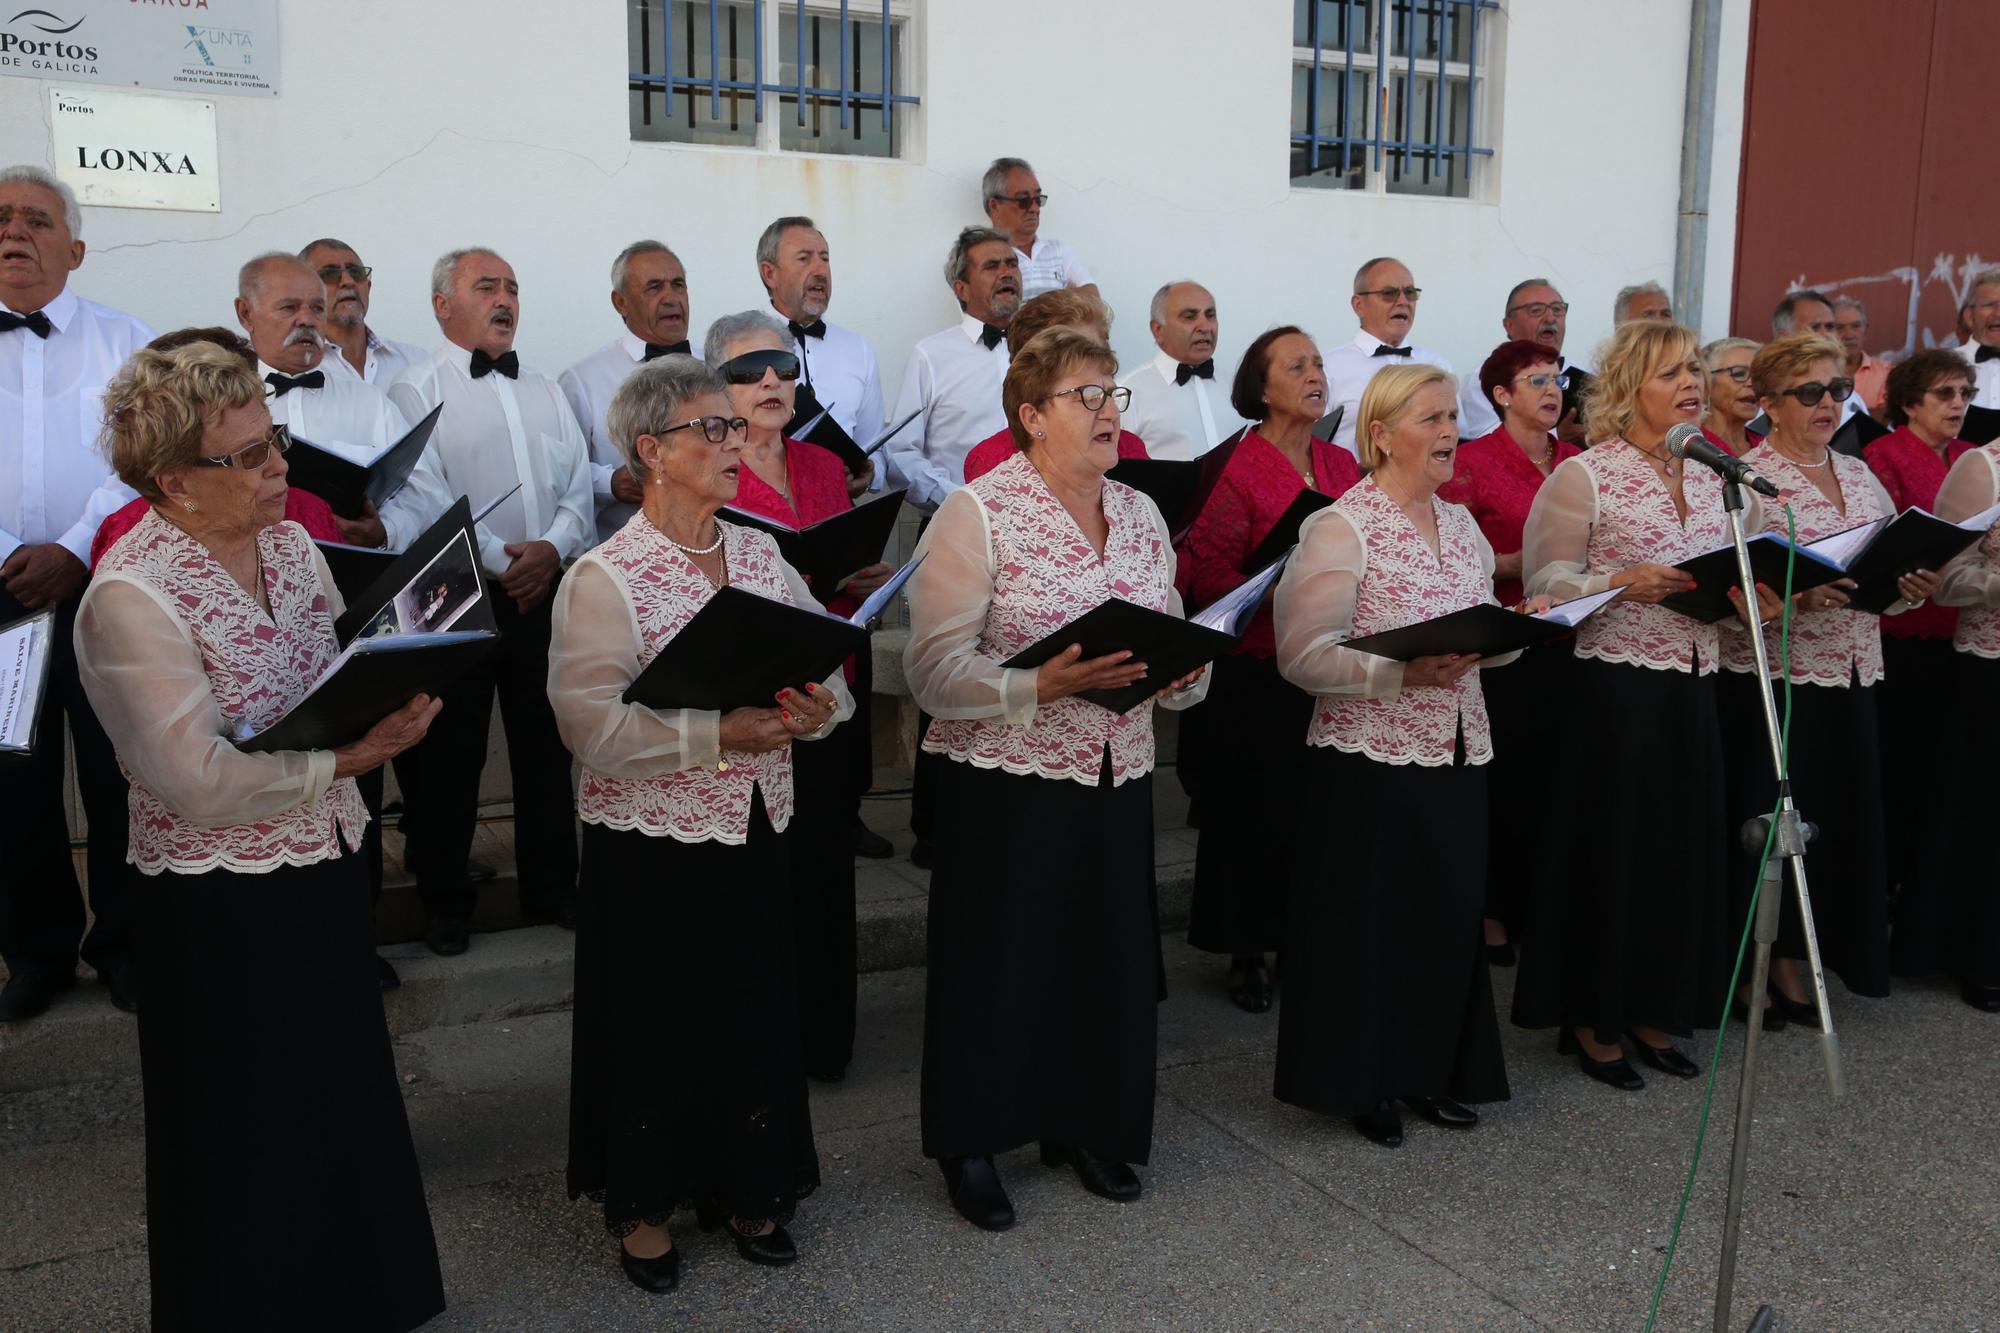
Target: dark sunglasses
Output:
[
  {"x": 749, "y": 368},
  {"x": 251, "y": 456},
  {"x": 1391, "y": 293},
  {"x": 358, "y": 272},
  {"x": 1810, "y": 393},
  {"x": 1022, "y": 200}
]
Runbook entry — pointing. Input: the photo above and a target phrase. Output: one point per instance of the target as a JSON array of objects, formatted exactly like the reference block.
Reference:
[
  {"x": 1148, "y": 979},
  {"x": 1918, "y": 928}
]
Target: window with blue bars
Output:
[
  {"x": 813, "y": 76},
  {"x": 1386, "y": 95}
]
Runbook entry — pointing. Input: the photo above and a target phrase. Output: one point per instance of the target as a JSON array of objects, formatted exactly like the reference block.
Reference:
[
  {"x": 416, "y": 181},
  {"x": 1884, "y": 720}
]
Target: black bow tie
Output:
[
  {"x": 680, "y": 348},
  {"x": 506, "y": 363},
  {"x": 1185, "y": 372},
  {"x": 284, "y": 384},
  {"x": 816, "y": 329},
  {"x": 991, "y": 337},
  {"x": 1984, "y": 353},
  {"x": 34, "y": 322},
  {"x": 1386, "y": 350}
]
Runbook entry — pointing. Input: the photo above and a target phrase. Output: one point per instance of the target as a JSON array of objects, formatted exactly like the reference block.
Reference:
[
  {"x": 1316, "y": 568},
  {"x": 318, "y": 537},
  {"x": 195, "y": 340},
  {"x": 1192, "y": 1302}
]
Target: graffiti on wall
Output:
[{"x": 1900, "y": 293}]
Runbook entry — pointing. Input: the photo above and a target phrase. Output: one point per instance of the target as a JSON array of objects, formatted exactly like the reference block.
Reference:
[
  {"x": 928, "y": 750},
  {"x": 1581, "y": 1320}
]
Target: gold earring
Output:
[{"x": 191, "y": 505}]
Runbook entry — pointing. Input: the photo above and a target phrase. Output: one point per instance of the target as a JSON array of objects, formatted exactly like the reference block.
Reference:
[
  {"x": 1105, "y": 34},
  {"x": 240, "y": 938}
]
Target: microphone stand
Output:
[{"x": 1787, "y": 848}]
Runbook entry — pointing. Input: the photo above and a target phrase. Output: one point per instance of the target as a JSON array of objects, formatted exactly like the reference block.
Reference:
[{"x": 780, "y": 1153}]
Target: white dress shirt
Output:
[
  {"x": 346, "y": 416},
  {"x": 1351, "y": 365},
  {"x": 1985, "y": 376},
  {"x": 1179, "y": 421},
  {"x": 54, "y": 484},
  {"x": 590, "y": 385},
  {"x": 956, "y": 380},
  {"x": 1052, "y": 267},
  {"x": 844, "y": 376},
  {"x": 493, "y": 433},
  {"x": 383, "y": 361}
]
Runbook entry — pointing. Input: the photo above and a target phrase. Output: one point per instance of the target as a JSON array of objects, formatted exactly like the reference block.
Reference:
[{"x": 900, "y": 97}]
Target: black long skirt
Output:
[
  {"x": 1386, "y": 991},
  {"x": 1916, "y": 675},
  {"x": 686, "y": 1085},
  {"x": 1627, "y": 926},
  {"x": 281, "y": 1183},
  {"x": 1524, "y": 704},
  {"x": 1043, "y": 979},
  {"x": 1836, "y": 767},
  {"x": 1257, "y": 720},
  {"x": 821, "y": 835},
  {"x": 1948, "y": 916}
]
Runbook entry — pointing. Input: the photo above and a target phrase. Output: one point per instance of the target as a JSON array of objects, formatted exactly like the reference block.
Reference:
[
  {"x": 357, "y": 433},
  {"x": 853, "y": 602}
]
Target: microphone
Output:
[{"x": 1685, "y": 440}]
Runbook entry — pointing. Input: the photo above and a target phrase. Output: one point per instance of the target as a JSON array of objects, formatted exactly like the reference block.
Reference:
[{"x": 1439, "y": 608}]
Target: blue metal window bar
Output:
[
  {"x": 1408, "y": 147},
  {"x": 715, "y": 85}
]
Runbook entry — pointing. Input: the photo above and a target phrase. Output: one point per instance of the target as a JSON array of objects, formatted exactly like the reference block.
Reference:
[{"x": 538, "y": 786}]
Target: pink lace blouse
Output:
[
  {"x": 1972, "y": 581},
  {"x": 1496, "y": 481}
]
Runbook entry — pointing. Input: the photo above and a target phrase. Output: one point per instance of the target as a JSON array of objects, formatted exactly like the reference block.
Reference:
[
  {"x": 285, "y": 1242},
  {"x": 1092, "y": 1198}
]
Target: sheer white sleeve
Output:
[
  {"x": 1970, "y": 487},
  {"x": 1555, "y": 544},
  {"x": 1315, "y": 615},
  {"x": 145, "y": 679},
  {"x": 843, "y": 698},
  {"x": 1188, "y": 697},
  {"x": 949, "y": 596}
]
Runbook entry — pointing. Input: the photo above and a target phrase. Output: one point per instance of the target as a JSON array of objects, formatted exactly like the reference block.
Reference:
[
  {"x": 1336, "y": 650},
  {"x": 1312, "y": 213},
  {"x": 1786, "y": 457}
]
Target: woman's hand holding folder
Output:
[
  {"x": 1437, "y": 670},
  {"x": 387, "y": 738},
  {"x": 1064, "y": 675}
]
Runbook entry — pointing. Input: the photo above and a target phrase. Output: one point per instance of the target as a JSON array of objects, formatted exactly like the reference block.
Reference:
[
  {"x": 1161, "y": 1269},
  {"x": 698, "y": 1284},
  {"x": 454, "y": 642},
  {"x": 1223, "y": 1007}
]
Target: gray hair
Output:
[
  {"x": 1626, "y": 295},
  {"x": 767, "y": 244},
  {"x": 1523, "y": 286},
  {"x": 958, "y": 264},
  {"x": 1784, "y": 318},
  {"x": 1853, "y": 301},
  {"x": 446, "y": 269},
  {"x": 995, "y": 179},
  {"x": 1986, "y": 277},
  {"x": 1722, "y": 346},
  {"x": 623, "y": 263},
  {"x": 1361, "y": 274},
  {"x": 654, "y": 397},
  {"x": 329, "y": 243},
  {"x": 715, "y": 347},
  {"x": 1158, "y": 312},
  {"x": 33, "y": 175},
  {"x": 250, "y": 278}
]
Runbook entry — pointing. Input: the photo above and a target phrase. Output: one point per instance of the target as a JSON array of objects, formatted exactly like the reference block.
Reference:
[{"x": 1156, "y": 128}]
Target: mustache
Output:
[{"x": 304, "y": 333}]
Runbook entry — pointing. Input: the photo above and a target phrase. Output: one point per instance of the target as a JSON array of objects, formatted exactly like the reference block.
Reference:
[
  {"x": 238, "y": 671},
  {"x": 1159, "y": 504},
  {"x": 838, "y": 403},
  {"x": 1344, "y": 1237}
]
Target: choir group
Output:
[{"x": 1375, "y": 834}]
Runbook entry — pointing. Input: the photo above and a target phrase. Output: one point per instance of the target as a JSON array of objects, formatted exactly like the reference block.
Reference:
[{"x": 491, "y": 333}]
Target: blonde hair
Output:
[
  {"x": 1035, "y": 370},
  {"x": 1793, "y": 354},
  {"x": 1065, "y": 307},
  {"x": 1625, "y": 362},
  {"x": 159, "y": 405},
  {"x": 1386, "y": 398}
]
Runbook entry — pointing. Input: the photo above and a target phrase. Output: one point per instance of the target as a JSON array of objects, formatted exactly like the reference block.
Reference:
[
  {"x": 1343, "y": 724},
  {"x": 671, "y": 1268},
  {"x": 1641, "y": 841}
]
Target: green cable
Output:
[{"x": 1743, "y": 942}]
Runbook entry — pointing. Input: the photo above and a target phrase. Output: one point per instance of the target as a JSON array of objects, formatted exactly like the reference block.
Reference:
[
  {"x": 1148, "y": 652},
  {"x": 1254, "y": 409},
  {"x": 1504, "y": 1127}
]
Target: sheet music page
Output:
[
  {"x": 880, "y": 598},
  {"x": 1982, "y": 520},
  {"x": 1227, "y": 609},
  {"x": 1842, "y": 548},
  {"x": 1573, "y": 612}
]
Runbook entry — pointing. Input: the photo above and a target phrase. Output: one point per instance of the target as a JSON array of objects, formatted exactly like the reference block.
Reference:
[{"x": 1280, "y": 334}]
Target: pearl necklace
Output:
[{"x": 709, "y": 549}]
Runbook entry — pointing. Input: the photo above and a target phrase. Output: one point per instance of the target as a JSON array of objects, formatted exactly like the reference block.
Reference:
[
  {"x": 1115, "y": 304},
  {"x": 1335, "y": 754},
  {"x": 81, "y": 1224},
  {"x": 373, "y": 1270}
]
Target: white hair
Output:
[
  {"x": 650, "y": 400},
  {"x": 446, "y": 269},
  {"x": 1626, "y": 296},
  {"x": 1853, "y": 301},
  {"x": 31, "y": 175},
  {"x": 715, "y": 347},
  {"x": 623, "y": 263},
  {"x": 250, "y": 278},
  {"x": 1158, "y": 312}
]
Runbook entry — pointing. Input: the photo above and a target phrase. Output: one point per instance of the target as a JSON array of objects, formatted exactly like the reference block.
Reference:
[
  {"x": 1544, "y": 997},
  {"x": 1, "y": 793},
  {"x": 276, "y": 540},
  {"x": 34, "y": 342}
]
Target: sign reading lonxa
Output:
[{"x": 134, "y": 159}]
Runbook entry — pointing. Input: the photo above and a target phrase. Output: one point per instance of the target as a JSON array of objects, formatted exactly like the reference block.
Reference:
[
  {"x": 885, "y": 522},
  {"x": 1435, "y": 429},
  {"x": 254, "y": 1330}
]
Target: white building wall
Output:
[{"x": 1158, "y": 128}]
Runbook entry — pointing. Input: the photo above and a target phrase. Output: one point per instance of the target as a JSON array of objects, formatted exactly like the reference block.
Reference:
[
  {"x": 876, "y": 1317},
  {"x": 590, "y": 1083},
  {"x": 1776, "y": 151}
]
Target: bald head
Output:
[{"x": 281, "y": 304}]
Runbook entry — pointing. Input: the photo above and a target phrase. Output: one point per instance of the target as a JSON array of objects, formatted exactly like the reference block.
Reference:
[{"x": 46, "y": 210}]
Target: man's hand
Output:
[
  {"x": 858, "y": 482},
  {"x": 364, "y": 531},
  {"x": 532, "y": 574},
  {"x": 626, "y": 487},
  {"x": 864, "y": 581},
  {"x": 37, "y": 576}
]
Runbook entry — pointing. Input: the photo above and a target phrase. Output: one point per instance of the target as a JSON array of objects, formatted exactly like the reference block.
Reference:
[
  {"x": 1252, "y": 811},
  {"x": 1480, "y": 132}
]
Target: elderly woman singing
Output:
[
  {"x": 685, "y": 859},
  {"x": 1044, "y": 948},
  {"x": 271, "y": 1095}
]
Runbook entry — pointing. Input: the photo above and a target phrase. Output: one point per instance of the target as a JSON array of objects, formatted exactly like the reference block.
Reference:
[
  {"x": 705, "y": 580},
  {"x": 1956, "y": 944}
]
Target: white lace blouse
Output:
[
  {"x": 1005, "y": 566},
  {"x": 1363, "y": 568},
  {"x": 1973, "y": 580},
  {"x": 663, "y": 773},
  {"x": 174, "y": 655}
]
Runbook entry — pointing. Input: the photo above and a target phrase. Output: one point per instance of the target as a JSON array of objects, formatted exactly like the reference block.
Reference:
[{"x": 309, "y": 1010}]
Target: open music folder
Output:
[
  {"x": 741, "y": 648},
  {"x": 1485, "y": 630},
  {"x": 357, "y": 569},
  {"x": 1179, "y": 487},
  {"x": 1982, "y": 425},
  {"x": 348, "y": 479},
  {"x": 1284, "y": 533},
  {"x": 833, "y": 548},
  {"x": 1168, "y": 645},
  {"x": 1875, "y": 555},
  {"x": 1714, "y": 574},
  {"x": 26, "y": 647}
]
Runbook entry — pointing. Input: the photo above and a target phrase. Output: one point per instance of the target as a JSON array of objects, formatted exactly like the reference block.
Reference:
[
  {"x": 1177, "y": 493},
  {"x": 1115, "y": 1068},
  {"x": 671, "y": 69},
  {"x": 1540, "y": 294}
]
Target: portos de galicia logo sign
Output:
[
  {"x": 52, "y": 52},
  {"x": 228, "y": 46}
]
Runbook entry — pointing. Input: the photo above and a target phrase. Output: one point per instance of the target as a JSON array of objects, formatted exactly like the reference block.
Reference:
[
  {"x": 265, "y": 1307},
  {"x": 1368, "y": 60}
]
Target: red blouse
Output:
[
  {"x": 1751, "y": 437},
  {"x": 994, "y": 450},
  {"x": 1494, "y": 479},
  {"x": 819, "y": 490},
  {"x": 1911, "y": 472},
  {"x": 1256, "y": 487},
  {"x": 301, "y": 507}
]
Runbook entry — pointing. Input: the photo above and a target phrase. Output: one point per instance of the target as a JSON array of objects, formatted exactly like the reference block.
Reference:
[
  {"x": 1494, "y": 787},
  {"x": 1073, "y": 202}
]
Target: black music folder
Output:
[
  {"x": 435, "y": 584},
  {"x": 1579, "y": 387},
  {"x": 371, "y": 679},
  {"x": 740, "y": 649},
  {"x": 1714, "y": 575},
  {"x": 1982, "y": 425},
  {"x": 356, "y": 569},
  {"x": 1169, "y": 646},
  {"x": 26, "y": 647},
  {"x": 1877, "y": 554},
  {"x": 1855, "y": 434},
  {"x": 348, "y": 484},
  {"x": 1326, "y": 426},
  {"x": 1180, "y": 488},
  {"x": 1486, "y": 630},
  {"x": 1284, "y": 534},
  {"x": 828, "y": 551}
]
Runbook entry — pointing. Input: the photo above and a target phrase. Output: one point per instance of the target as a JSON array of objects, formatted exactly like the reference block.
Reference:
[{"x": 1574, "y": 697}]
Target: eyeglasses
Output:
[
  {"x": 358, "y": 272},
  {"x": 1810, "y": 393},
  {"x": 1542, "y": 381},
  {"x": 1092, "y": 396},
  {"x": 1536, "y": 309},
  {"x": 1953, "y": 393},
  {"x": 749, "y": 368},
  {"x": 250, "y": 457},
  {"x": 1391, "y": 293},
  {"x": 713, "y": 429},
  {"x": 1741, "y": 374},
  {"x": 1021, "y": 200}
]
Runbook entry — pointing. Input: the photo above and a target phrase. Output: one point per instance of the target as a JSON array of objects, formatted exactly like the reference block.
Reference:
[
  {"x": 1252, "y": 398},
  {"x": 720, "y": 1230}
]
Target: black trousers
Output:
[
  {"x": 923, "y": 784},
  {"x": 452, "y": 756},
  {"x": 41, "y": 903},
  {"x": 861, "y": 746}
]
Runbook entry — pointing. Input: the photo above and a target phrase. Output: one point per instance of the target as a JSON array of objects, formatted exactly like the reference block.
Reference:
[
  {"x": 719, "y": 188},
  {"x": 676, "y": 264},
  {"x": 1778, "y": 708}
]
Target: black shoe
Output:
[
  {"x": 1383, "y": 1125},
  {"x": 1667, "y": 1060},
  {"x": 27, "y": 995},
  {"x": 385, "y": 974},
  {"x": 1443, "y": 1112},
  {"x": 448, "y": 935},
  {"x": 544, "y": 914},
  {"x": 974, "y": 1188},
  {"x": 1617, "y": 1073},
  {"x": 1503, "y": 954},
  {"x": 1803, "y": 1012},
  {"x": 478, "y": 872},
  {"x": 1100, "y": 1175},
  {"x": 869, "y": 843},
  {"x": 1773, "y": 1020},
  {"x": 1250, "y": 985},
  {"x": 1984, "y": 998},
  {"x": 660, "y": 1273},
  {"x": 773, "y": 1248},
  {"x": 920, "y": 855},
  {"x": 123, "y": 983}
]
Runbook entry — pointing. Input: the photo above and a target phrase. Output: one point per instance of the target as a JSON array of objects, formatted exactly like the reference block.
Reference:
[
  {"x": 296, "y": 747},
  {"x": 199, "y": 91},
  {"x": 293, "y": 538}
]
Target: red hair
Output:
[{"x": 1509, "y": 361}]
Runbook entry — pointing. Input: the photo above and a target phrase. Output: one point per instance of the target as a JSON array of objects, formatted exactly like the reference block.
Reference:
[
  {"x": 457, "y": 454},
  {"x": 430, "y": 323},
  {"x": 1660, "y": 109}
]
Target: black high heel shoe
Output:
[
  {"x": 1443, "y": 1112},
  {"x": 1617, "y": 1073},
  {"x": 974, "y": 1188},
  {"x": 661, "y": 1273},
  {"x": 1250, "y": 985},
  {"x": 1773, "y": 1020},
  {"x": 773, "y": 1248},
  {"x": 1100, "y": 1175},
  {"x": 1803, "y": 1012},
  {"x": 1666, "y": 1059},
  {"x": 1383, "y": 1125}
]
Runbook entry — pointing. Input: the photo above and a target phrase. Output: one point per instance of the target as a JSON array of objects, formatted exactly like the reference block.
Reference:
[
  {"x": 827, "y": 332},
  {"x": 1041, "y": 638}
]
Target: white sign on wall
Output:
[
  {"x": 183, "y": 46},
  {"x": 136, "y": 150}
]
